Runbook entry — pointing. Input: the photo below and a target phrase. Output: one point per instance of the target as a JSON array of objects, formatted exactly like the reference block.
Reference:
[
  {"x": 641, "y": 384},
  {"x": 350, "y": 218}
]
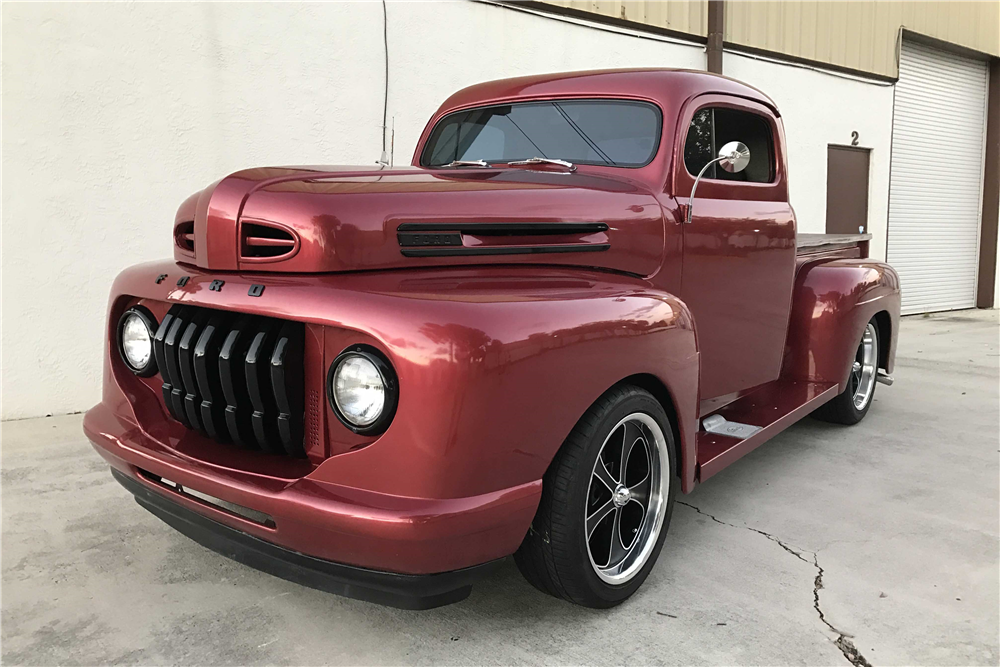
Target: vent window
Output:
[{"x": 267, "y": 242}]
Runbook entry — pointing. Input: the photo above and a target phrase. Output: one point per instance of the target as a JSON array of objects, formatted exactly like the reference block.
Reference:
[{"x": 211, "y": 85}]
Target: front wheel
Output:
[
  {"x": 606, "y": 503},
  {"x": 852, "y": 404}
]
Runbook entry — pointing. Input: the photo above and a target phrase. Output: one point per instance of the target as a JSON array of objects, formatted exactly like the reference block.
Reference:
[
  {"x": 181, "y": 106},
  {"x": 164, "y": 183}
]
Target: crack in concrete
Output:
[{"x": 843, "y": 640}]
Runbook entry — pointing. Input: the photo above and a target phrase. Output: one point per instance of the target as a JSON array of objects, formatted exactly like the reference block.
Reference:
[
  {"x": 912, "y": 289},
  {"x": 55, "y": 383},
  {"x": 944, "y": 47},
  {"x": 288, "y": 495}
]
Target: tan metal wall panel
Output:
[
  {"x": 975, "y": 25},
  {"x": 861, "y": 35},
  {"x": 687, "y": 16},
  {"x": 883, "y": 50}
]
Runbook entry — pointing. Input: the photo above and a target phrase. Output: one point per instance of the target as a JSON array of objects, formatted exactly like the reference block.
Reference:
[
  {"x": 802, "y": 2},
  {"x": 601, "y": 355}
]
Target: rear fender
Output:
[{"x": 831, "y": 304}]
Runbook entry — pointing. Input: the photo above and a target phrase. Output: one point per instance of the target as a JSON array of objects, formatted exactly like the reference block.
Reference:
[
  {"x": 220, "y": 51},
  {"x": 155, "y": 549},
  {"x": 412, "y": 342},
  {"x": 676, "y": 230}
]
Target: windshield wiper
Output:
[
  {"x": 467, "y": 163},
  {"x": 544, "y": 160},
  {"x": 583, "y": 135}
]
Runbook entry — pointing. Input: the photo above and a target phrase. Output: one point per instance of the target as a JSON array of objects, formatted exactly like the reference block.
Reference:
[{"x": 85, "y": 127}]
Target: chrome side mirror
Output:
[{"x": 733, "y": 157}]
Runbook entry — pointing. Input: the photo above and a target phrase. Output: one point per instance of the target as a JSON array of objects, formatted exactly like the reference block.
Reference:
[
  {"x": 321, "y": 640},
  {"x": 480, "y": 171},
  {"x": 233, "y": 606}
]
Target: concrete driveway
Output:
[{"x": 875, "y": 544}]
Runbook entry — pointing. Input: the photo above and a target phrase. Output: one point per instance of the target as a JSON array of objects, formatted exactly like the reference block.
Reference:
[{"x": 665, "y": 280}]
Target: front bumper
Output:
[
  {"x": 403, "y": 551},
  {"x": 406, "y": 591}
]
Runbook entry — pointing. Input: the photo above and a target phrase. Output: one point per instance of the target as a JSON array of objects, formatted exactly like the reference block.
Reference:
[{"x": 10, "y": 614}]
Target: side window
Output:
[{"x": 712, "y": 128}]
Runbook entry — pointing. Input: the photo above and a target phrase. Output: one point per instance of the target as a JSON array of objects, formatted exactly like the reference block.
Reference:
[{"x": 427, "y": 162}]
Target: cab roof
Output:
[{"x": 658, "y": 84}]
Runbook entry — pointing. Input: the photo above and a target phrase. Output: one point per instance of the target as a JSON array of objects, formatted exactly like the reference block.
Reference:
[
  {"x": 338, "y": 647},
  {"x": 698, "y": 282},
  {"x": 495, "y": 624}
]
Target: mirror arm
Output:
[{"x": 694, "y": 187}]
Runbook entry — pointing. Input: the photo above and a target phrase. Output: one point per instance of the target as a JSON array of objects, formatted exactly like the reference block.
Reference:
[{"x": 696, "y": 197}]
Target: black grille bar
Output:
[
  {"x": 206, "y": 373},
  {"x": 286, "y": 378},
  {"x": 185, "y": 359},
  {"x": 161, "y": 360},
  {"x": 234, "y": 387},
  {"x": 172, "y": 368},
  {"x": 265, "y": 412},
  {"x": 233, "y": 377}
]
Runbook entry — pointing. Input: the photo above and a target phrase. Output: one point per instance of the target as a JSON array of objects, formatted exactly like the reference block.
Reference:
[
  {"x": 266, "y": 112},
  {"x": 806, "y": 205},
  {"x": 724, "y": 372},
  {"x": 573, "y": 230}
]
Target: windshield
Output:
[{"x": 616, "y": 133}]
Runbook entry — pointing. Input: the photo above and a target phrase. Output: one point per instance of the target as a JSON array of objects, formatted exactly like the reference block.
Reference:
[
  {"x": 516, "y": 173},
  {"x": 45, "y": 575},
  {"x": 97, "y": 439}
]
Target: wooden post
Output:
[{"x": 716, "y": 34}]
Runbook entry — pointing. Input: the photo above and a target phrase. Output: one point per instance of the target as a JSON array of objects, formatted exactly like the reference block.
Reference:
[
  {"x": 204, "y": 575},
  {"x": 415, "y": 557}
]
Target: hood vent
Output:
[
  {"x": 430, "y": 239},
  {"x": 184, "y": 236},
  {"x": 265, "y": 241}
]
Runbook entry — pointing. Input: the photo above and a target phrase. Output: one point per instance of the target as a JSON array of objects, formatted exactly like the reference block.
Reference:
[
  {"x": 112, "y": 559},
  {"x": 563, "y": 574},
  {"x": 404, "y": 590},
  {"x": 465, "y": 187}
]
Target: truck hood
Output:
[{"x": 326, "y": 219}]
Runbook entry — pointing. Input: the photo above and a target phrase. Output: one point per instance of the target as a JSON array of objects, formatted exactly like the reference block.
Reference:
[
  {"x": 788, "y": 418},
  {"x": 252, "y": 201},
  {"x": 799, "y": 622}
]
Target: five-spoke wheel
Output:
[
  {"x": 864, "y": 368},
  {"x": 606, "y": 502},
  {"x": 852, "y": 404},
  {"x": 625, "y": 499}
]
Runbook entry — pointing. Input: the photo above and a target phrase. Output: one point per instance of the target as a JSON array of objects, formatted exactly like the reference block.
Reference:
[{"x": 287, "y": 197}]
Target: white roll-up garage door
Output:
[{"x": 935, "y": 186}]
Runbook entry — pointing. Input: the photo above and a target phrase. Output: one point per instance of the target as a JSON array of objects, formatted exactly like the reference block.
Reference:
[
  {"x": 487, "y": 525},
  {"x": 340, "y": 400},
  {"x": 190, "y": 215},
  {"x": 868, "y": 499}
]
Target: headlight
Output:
[
  {"x": 362, "y": 390},
  {"x": 136, "y": 329}
]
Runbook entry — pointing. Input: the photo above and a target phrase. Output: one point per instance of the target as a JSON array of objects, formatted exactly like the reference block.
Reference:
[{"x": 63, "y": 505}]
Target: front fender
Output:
[
  {"x": 831, "y": 305},
  {"x": 495, "y": 364}
]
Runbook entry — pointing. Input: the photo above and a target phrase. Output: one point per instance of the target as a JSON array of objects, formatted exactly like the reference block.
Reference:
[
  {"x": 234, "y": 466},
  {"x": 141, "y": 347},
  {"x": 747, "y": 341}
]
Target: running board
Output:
[{"x": 756, "y": 417}]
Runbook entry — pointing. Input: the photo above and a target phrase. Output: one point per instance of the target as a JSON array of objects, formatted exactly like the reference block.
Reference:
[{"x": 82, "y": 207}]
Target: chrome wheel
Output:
[
  {"x": 627, "y": 498},
  {"x": 864, "y": 369}
]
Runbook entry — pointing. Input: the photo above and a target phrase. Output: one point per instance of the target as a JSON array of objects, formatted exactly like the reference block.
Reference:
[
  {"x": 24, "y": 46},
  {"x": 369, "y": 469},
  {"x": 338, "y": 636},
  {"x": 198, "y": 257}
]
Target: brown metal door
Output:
[{"x": 846, "y": 190}]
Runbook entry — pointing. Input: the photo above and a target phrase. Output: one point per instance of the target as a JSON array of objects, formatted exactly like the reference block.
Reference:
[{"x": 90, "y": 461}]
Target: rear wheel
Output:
[
  {"x": 606, "y": 503},
  {"x": 852, "y": 404}
]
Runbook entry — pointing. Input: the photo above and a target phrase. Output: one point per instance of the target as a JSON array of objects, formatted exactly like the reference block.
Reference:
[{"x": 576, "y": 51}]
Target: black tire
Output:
[
  {"x": 554, "y": 556},
  {"x": 843, "y": 409}
]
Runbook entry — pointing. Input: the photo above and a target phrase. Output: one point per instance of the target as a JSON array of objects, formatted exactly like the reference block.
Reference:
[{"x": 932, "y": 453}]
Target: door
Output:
[
  {"x": 846, "y": 190},
  {"x": 739, "y": 249},
  {"x": 936, "y": 178}
]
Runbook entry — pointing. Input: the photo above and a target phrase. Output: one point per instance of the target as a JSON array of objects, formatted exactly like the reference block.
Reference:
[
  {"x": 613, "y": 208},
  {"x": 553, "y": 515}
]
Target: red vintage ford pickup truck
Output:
[{"x": 584, "y": 296}]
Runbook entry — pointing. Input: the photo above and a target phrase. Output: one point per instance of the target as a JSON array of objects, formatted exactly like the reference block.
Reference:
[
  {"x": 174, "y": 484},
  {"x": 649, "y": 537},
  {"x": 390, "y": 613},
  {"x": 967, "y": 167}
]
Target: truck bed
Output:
[{"x": 811, "y": 244}]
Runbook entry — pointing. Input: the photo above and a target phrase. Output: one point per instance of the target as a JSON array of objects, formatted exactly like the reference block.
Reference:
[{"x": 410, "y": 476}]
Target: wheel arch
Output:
[
  {"x": 682, "y": 428},
  {"x": 883, "y": 328},
  {"x": 662, "y": 394}
]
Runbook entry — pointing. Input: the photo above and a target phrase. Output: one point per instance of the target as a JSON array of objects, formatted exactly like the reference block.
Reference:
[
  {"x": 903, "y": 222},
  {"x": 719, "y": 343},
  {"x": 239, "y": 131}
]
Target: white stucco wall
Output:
[{"x": 114, "y": 113}]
